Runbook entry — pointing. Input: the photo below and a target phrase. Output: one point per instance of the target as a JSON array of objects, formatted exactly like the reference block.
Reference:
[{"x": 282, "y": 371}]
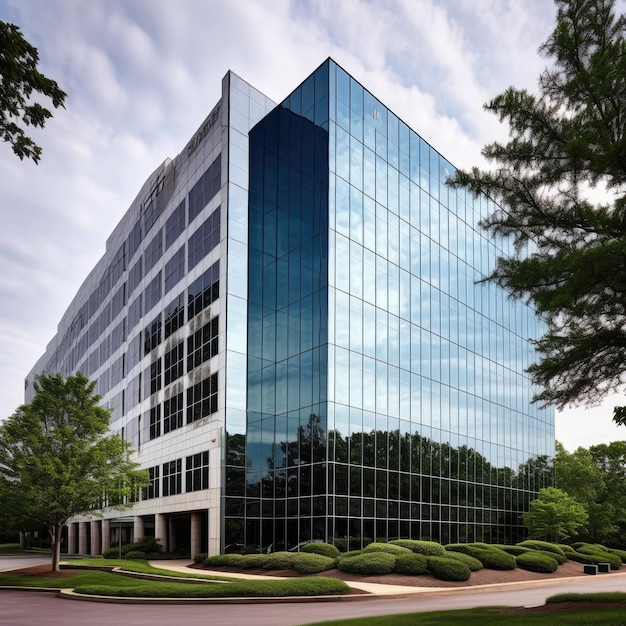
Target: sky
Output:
[{"x": 141, "y": 76}]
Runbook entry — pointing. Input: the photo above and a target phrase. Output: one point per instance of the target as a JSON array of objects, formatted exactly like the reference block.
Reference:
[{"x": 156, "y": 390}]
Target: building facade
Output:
[{"x": 287, "y": 326}]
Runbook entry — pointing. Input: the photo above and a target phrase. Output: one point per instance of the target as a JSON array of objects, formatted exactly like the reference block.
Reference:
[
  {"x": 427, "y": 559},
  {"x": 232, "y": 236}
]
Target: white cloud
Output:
[{"x": 142, "y": 75}]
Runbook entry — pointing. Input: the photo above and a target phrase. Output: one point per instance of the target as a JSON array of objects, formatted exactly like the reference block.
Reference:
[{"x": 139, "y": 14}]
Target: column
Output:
[
  {"x": 171, "y": 537},
  {"x": 196, "y": 534},
  {"x": 82, "y": 537},
  {"x": 137, "y": 528},
  {"x": 106, "y": 534},
  {"x": 95, "y": 538},
  {"x": 71, "y": 538},
  {"x": 160, "y": 530}
]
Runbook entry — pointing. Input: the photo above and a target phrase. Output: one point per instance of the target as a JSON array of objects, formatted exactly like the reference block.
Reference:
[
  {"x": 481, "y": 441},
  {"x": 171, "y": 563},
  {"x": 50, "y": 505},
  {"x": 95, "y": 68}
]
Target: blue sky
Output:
[{"x": 141, "y": 75}]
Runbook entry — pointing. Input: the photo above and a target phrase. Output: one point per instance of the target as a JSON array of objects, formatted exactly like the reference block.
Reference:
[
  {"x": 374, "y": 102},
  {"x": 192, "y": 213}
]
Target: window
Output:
[
  {"x": 203, "y": 344},
  {"x": 172, "y": 477},
  {"x": 174, "y": 364},
  {"x": 173, "y": 413},
  {"x": 134, "y": 240},
  {"x": 134, "y": 313},
  {"x": 153, "y": 252},
  {"x": 135, "y": 274},
  {"x": 152, "y": 335},
  {"x": 155, "y": 421},
  {"x": 117, "y": 370},
  {"x": 152, "y": 378},
  {"x": 197, "y": 472},
  {"x": 204, "y": 239},
  {"x": 118, "y": 301},
  {"x": 134, "y": 352},
  {"x": 175, "y": 225},
  {"x": 174, "y": 269},
  {"x": 174, "y": 315},
  {"x": 203, "y": 291},
  {"x": 152, "y": 491},
  {"x": 206, "y": 187},
  {"x": 152, "y": 294},
  {"x": 202, "y": 399},
  {"x": 118, "y": 335}
]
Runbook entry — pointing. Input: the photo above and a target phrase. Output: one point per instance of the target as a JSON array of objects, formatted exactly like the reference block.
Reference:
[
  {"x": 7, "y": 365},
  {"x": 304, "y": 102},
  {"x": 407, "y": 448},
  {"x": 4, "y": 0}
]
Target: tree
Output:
[
  {"x": 57, "y": 459},
  {"x": 19, "y": 81},
  {"x": 554, "y": 516},
  {"x": 579, "y": 476},
  {"x": 560, "y": 182}
]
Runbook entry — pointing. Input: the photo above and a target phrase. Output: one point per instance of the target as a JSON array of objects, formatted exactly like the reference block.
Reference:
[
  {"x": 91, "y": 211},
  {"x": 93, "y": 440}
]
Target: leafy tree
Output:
[
  {"x": 580, "y": 477},
  {"x": 554, "y": 516},
  {"x": 560, "y": 181},
  {"x": 57, "y": 459},
  {"x": 19, "y": 80}
]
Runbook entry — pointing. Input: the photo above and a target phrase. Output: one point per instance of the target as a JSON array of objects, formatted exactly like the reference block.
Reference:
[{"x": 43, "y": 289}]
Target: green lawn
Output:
[
  {"x": 84, "y": 577},
  {"x": 142, "y": 567},
  {"x": 491, "y": 615}
]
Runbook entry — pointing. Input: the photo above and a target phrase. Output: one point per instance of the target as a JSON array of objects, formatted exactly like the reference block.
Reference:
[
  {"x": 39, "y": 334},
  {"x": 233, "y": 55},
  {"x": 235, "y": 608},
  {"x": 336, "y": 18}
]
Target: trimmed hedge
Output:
[
  {"x": 412, "y": 564},
  {"x": 251, "y": 561},
  {"x": 200, "y": 558},
  {"x": 386, "y": 547},
  {"x": 136, "y": 555},
  {"x": 444, "y": 568},
  {"x": 545, "y": 546},
  {"x": 620, "y": 553},
  {"x": 601, "y": 556},
  {"x": 325, "y": 549},
  {"x": 514, "y": 550},
  {"x": 537, "y": 561},
  {"x": 224, "y": 560},
  {"x": 311, "y": 563},
  {"x": 472, "y": 562},
  {"x": 279, "y": 560},
  {"x": 371, "y": 563},
  {"x": 567, "y": 550},
  {"x": 428, "y": 548},
  {"x": 313, "y": 586},
  {"x": 490, "y": 557}
]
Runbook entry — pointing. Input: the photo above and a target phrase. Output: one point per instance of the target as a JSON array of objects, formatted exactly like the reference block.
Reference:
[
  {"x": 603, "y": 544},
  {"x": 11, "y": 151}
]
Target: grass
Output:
[
  {"x": 490, "y": 615},
  {"x": 140, "y": 567},
  {"x": 238, "y": 589},
  {"x": 85, "y": 577},
  {"x": 606, "y": 596},
  {"x": 16, "y": 548}
]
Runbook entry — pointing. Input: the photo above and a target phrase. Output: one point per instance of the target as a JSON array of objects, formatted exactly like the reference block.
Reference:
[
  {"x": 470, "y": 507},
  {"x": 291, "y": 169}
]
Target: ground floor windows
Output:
[{"x": 152, "y": 491}]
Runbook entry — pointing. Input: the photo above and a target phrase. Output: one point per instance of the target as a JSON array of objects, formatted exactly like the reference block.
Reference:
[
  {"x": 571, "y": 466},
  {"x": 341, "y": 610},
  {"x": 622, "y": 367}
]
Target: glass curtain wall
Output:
[{"x": 386, "y": 387}]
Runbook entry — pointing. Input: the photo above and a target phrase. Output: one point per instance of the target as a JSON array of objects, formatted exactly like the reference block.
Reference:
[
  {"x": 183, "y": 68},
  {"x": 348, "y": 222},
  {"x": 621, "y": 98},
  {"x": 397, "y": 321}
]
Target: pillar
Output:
[
  {"x": 95, "y": 538},
  {"x": 160, "y": 530},
  {"x": 106, "y": 534},
  {"x": 71, "y": 538},
  {"x": 196, "y": 534},
  {"x": 171, "y": 541},
  {"x": 82, "y": 538},
  {"x": 137, "y": 528}
]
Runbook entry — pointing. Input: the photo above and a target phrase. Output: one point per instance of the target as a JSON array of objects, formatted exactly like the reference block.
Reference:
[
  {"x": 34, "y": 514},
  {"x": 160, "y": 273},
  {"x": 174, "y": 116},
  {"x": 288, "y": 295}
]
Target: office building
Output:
[{"x": 288, "y": 327}]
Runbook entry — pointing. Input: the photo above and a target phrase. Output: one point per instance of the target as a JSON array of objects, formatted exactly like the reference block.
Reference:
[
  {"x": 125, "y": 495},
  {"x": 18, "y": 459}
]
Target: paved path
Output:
[{"x": 8, "y": 563}]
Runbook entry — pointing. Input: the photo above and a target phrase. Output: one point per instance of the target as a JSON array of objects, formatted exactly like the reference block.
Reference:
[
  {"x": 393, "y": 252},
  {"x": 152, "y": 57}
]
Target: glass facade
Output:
[{"x": 386, "y": 387}]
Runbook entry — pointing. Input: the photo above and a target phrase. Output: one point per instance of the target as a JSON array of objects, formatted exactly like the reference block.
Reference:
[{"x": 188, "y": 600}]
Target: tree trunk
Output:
[{"x": 55, "y": 543}]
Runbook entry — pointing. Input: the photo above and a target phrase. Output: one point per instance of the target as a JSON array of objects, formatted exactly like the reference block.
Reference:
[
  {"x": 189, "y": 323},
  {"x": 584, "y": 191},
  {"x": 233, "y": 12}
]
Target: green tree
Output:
[
  {"x": 554, "y": 515},
  {"x": 19, "y": 81},
  {"x": 58, "y": 459},
  {"x": 560, "y": 182},
  {"x": 580, "y": 477}
]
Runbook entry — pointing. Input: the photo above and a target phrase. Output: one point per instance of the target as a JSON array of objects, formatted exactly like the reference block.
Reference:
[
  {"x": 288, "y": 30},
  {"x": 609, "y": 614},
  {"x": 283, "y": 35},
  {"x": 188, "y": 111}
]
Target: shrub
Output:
[
  {"x": 601, "y": 556},
  {"x": 148, "y": 544},
  {"x": 514, "y": 550},
  {"x": 567, "y": 550},
  {"x": 444, "y": 568},
  {"x": 537, "y": 561},
  {"x": 111, "y": 553},
  {"x": 200, "y": 558},
  {"x": 278, "y": 560},
  {"x": 490, "y": 557},
  {"x": 472, "y": 562},
  {"x": 546, "y": 546},
  {"x": 620, "y": 553},
  {"x": 369, "y": 563},
  {"x": 428, "y": 548},
  {"x": 135, "y": 555},
  {"x": 223, "y": 560},
  {"x": 341, "y": 544},
  {"x": 325, "y": 549},
  {"x": 412, "y": 564},
  {"x": 386, "y": 547},
  {"x": 311, "y": 563},
  {"x": 251, "y": 561}
]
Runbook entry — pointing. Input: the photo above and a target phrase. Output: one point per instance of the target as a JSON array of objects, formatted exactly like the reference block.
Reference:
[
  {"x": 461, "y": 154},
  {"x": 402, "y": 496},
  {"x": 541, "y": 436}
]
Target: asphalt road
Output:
[{"x": 25, "y": 608}]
